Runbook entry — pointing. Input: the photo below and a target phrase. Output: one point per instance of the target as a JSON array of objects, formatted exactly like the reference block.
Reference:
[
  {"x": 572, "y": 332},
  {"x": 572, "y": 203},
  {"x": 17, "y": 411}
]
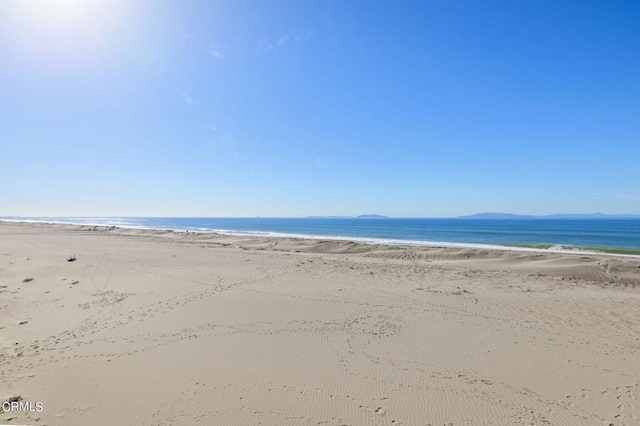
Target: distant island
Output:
[
  {"x": 490, "y": 215},
  {"x": 370, "y": 216}
]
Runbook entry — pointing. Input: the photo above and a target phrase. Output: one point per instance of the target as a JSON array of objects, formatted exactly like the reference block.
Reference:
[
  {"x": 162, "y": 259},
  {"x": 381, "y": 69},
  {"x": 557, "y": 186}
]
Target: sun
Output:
[
  {"x": 64, "y": 26},
  {"x": 54, "y": 11},
  {"x": 52, "y": 16}
]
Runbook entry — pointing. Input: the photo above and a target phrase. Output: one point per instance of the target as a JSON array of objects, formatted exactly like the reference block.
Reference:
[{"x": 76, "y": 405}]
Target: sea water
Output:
[{"x": 615, "y": 233}]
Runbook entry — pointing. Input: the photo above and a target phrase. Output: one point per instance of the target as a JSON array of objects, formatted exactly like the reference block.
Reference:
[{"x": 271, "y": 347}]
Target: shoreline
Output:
[
  {"x": 515, "y": 247},
  {"x": 594, "y": 267}
]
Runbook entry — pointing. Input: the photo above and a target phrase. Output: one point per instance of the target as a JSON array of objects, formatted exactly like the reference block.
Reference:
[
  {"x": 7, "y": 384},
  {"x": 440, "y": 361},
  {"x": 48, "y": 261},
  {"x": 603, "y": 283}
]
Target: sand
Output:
[{"x": 164, "y": 328}]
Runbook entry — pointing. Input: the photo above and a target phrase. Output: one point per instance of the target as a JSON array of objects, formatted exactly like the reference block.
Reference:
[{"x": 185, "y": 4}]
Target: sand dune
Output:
[{"x": 165, "y": 328}]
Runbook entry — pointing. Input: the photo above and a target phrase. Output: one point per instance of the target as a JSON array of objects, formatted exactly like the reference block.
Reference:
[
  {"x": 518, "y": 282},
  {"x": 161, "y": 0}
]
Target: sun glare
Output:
[
  {"x": 60, "y": 31},
  {"x": 57, "y": 18}
]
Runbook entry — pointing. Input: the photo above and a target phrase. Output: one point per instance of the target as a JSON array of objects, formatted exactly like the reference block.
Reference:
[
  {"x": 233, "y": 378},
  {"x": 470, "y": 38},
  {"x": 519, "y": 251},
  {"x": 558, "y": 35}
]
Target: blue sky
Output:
[{"x": 295, "y": 108}]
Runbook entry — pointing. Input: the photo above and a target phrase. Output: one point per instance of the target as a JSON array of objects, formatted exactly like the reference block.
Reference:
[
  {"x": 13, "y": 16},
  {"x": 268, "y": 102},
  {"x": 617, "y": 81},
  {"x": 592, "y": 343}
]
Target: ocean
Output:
[{"x": 477, "y": 233}]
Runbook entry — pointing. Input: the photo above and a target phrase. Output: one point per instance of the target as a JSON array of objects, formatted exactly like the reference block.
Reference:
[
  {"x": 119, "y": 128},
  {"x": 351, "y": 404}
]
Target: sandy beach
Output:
[{"x": 164, "y": 328}]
